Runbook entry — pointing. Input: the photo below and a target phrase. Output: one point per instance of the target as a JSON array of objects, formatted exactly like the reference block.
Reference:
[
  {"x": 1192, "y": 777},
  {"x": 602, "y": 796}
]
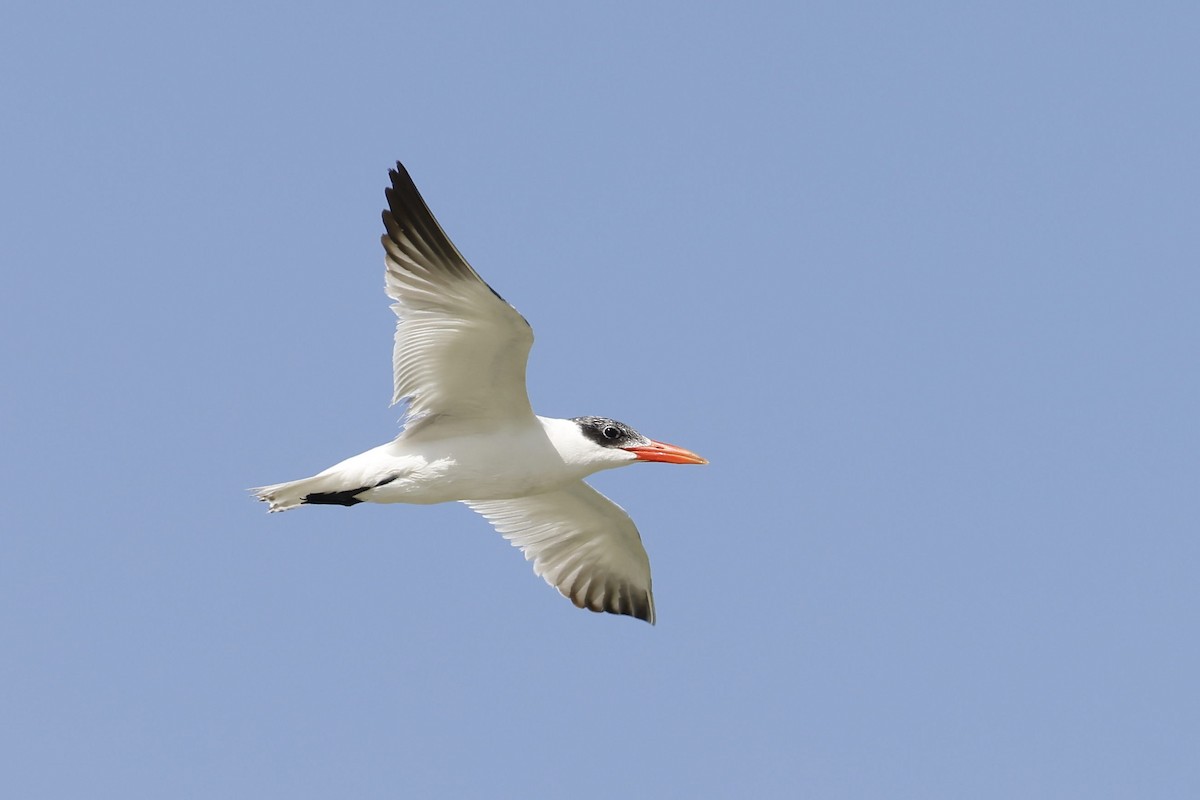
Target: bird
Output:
[{"x": 469, "y": 433}]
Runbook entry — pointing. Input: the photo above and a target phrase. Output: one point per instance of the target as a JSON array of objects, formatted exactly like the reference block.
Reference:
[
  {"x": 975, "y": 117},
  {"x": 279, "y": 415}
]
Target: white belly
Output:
[{"x": 495, "y": 467}]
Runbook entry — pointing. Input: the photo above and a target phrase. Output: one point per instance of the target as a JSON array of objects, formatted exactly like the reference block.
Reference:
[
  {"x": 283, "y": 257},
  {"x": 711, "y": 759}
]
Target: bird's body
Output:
[
  {"x": 470, "y": 434},
  {"x": 526, "y": 457}
]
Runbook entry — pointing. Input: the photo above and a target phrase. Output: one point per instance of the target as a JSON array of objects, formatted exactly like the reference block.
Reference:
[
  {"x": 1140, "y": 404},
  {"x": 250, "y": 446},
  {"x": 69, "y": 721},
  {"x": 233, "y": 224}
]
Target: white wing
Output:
[
  {"x": 582, "y": 543},
  {"x": 460, "y": 350}
]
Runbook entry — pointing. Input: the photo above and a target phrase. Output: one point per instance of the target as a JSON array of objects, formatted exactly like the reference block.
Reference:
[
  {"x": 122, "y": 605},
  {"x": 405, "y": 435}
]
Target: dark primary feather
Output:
[{"x": 414, "y": 231}]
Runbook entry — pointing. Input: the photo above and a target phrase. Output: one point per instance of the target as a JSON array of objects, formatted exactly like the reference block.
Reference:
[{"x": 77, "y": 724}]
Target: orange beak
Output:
[{"x": 667, "y": 453}]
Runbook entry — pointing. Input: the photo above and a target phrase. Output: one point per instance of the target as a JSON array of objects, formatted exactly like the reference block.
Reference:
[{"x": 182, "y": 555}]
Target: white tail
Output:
[
  {"x": 339, "y": 485},
  {"x": 283, "y": 496},
  {"x": 328, "y": 488}
]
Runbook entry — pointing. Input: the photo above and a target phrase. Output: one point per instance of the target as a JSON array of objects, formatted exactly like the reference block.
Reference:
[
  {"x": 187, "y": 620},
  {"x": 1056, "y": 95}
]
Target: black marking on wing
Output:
[
  {"x": 413, "y": 230},
  {"x": 622, "y": 599},
  {"x": 346, "y": 498},
  {"x": 641, "y": 607}
]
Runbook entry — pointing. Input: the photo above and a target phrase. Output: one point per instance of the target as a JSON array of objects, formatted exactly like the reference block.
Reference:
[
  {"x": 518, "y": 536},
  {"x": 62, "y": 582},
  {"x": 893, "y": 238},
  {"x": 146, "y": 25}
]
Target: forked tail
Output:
[{"x": 317, "y": 490}]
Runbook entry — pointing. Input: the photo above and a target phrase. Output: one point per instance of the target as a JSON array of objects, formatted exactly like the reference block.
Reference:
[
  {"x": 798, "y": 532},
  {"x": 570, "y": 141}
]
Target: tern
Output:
[{"x": 470, "y": 435}]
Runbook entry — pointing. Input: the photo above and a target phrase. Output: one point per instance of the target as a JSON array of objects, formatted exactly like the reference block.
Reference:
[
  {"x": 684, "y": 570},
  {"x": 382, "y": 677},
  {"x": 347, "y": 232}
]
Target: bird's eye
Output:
[{"x": 610, "y": 432}]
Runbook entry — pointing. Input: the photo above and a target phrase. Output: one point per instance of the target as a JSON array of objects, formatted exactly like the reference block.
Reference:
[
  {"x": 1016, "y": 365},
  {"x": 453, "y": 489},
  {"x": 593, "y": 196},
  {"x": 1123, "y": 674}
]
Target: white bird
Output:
[{"x": 470, "y": 434}]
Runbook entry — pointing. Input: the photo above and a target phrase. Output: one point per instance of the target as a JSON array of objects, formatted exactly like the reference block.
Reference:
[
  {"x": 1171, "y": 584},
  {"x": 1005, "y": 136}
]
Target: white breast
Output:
[{"x": 509, "y": 462}]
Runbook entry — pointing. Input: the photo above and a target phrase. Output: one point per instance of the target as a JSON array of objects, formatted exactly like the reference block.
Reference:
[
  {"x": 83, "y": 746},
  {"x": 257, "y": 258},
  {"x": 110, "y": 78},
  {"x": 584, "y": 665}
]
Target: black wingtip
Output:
[
  {"x": 412, "y": 229},
  {"x": 345, "y": 498},
  {"x": 623, "y": 601},
  {"x": 399, "y": 173}
]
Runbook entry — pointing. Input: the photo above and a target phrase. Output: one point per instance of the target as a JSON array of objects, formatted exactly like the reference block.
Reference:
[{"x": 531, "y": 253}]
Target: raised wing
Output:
[
  {"x": 461, "y": 350},
  {"x": 582, "y": 543}
]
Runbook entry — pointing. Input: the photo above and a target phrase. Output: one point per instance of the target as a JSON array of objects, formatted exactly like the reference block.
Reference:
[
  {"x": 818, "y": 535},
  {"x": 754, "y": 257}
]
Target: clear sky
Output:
[{"x": 922, "y": 280}]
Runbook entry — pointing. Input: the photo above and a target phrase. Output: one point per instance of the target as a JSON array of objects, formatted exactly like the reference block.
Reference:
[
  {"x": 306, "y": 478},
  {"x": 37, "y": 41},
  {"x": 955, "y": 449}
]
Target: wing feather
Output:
[
  {"x": 460, "y": 350},
  {"x": 582, "y": 544}
]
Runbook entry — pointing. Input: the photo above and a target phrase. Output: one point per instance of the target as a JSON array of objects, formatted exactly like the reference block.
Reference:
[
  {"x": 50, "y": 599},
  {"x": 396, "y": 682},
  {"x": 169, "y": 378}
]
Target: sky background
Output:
[{"x": 921, "y": 280}]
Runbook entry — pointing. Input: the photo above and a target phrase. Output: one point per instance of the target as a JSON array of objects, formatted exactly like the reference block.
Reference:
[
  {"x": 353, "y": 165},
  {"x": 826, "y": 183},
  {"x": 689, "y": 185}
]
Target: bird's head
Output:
[{"x": 614, "y": 444}]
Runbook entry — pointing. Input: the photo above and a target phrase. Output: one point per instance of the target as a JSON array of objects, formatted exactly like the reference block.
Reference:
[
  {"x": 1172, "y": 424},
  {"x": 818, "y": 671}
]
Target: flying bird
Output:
[{"x": 470, "y": 434}]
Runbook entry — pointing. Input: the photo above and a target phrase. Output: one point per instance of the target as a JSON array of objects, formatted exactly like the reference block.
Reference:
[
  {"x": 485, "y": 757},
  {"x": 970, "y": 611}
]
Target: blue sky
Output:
[{"x": 920, "y": 280}]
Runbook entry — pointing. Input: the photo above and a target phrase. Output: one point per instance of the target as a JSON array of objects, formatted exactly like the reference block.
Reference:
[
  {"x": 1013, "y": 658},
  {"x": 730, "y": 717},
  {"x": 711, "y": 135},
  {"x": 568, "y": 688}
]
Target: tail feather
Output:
[
  {"x": 282, "y": 496},
  {"x": 339, "y": 485},
  {"x": 317, "y": 490}
]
